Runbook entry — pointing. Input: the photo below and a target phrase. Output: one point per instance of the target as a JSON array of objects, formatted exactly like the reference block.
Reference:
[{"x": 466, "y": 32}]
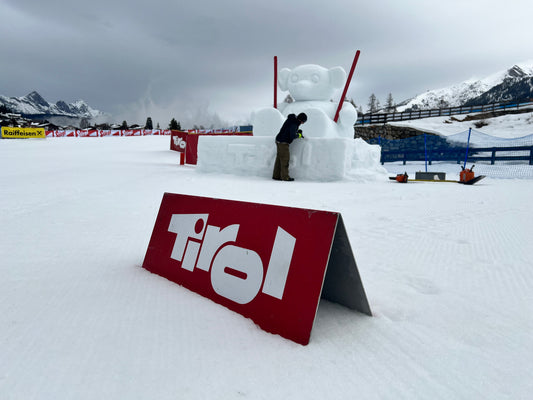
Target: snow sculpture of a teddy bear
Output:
[{"x": 312, "y": 87}]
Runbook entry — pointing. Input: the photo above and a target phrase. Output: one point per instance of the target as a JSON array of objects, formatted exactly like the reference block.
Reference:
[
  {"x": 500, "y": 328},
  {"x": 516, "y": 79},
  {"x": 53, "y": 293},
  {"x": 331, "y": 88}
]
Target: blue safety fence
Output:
[{"x": 493, "y": 156}]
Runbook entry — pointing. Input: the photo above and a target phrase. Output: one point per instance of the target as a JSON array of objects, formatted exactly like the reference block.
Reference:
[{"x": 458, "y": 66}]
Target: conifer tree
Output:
[
  {"x": 373, "y": 103},
  {"x": 5, "y": 109},
  {"x": 174, "y": 125},
  {"x": 149, "y": 124},
  {"x": 389, "y": 105}
]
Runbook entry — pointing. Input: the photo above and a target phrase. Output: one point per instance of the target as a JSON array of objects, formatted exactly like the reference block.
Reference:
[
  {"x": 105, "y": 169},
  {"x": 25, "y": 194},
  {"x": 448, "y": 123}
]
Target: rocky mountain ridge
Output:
[
  {"x": 33, "y": 105},
  {"x": 515, "y": 83}
]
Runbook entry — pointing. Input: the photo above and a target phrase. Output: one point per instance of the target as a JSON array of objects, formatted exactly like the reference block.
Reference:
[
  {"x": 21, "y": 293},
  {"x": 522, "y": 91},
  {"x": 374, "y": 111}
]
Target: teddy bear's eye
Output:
[
  {"x": 315, "y": 78},
  {"x": 294, "y": 78}
]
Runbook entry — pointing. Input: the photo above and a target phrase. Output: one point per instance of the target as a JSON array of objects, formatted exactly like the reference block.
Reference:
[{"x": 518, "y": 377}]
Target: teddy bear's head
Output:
[{"x": 311, "y": 82}]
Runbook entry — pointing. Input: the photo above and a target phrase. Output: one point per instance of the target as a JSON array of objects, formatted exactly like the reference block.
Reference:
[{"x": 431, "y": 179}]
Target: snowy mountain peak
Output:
[
  {"x": 516, "y": 72},
  {"x": 36, "y": 99},
  {"x": 511, "y": 84},
  {"x": 33, "y": 104}
]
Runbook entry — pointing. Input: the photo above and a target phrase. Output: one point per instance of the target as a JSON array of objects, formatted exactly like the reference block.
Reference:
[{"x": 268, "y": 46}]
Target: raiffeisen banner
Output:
[{"x": 22, "y": 133}]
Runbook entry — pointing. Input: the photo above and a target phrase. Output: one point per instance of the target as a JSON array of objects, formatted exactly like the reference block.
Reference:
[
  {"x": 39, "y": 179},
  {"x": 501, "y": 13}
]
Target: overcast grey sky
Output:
[{"x": 185, "y": 59}]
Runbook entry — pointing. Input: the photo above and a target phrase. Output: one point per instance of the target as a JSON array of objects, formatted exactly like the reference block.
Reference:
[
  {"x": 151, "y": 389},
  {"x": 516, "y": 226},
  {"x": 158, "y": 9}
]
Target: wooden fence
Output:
[{"x": 383, "y": 118}]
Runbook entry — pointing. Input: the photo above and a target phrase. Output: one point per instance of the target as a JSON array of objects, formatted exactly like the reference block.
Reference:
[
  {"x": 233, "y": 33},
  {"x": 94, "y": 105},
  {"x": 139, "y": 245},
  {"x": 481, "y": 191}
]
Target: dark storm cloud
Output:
[{"x": 170, "y": 59}]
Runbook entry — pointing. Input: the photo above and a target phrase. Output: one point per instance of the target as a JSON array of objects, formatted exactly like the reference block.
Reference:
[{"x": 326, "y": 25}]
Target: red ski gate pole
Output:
[
  {"x": 354, "y": 63},
  {"x": 275, "y": 82}
]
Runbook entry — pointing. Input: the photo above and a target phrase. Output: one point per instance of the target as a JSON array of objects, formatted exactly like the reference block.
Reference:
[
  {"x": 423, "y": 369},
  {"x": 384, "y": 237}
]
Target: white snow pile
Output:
[
  {"x": 447, "y": 270},
  {"x": 328, "y": 151},
  {"x": 312, "y": 159}
]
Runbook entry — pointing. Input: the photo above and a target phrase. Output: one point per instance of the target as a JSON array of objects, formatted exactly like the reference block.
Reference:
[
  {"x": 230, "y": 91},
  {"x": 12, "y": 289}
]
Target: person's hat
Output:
[{"x": 302, "y": 117}]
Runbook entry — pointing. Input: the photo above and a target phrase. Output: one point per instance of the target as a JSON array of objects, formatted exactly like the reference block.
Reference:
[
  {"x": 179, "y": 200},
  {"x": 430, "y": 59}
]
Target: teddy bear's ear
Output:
[
  {"x": 283, "y": 78},
  {"x": 337, "y": 76}
]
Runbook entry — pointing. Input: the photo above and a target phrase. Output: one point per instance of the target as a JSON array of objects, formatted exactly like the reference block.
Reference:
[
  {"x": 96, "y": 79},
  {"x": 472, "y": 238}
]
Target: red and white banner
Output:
[
  {"x": 268, "y": 263},
  {"x": 107, "y": 132}
]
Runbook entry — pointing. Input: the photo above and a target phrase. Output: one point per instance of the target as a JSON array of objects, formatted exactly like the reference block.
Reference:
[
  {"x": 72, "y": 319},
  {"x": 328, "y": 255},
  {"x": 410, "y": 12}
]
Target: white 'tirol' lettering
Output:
[
  {"x": 242, "y": 285},
  {"x": 179, "y": 142},
  {"x": 280, "y": 261},
  {"x": 236, "y": 273},
  {"x": 186, "y": 226},
  {"x": 214, "y": 239}
]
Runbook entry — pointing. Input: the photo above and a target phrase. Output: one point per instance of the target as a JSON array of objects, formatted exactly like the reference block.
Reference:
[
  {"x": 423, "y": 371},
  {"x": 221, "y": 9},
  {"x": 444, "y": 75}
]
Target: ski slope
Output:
[{"x": 447, "y": 270}]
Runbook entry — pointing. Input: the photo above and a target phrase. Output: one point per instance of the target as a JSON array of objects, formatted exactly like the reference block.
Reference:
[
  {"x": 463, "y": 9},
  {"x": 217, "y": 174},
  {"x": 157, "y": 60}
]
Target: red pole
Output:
[
  {"x": 275, "y": 82},
  {"x": 354, "y": 63}
]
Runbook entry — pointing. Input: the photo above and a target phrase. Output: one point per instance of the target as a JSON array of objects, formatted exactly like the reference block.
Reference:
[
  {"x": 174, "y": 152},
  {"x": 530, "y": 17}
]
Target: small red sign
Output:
[
  {"x": 266, "y": 262},
  {"x": 187, "y": 142},
  {"x": 178, "y": 141}
]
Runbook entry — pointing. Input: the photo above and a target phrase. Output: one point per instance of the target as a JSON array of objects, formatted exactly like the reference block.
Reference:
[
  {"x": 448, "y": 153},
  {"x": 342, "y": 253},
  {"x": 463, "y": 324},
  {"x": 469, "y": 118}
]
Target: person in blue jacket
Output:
[{"x": 288, "y": 132}]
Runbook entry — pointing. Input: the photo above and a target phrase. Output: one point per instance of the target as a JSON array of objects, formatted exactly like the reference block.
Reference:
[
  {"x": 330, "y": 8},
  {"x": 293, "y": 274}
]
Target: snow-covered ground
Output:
[
  {"x": 509, "y": 126},
  {"x": 447, "y": 270}
]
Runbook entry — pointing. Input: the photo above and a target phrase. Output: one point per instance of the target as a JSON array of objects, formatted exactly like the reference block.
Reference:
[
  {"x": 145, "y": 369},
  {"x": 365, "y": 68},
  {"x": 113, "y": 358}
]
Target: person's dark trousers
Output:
[{"x": 281, "y": 166}]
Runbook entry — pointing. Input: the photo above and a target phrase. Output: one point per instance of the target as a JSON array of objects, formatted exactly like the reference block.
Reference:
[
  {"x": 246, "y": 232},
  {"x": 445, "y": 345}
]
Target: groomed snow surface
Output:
[{"x": 447, "y": 269}]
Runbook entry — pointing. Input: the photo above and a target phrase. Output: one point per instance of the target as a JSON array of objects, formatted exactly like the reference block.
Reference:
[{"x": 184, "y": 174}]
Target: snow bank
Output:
[
  {"x": 508, "y": 126},
  {"x": 447, "y": 268},
  {"x": 311, "y": 158}
]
